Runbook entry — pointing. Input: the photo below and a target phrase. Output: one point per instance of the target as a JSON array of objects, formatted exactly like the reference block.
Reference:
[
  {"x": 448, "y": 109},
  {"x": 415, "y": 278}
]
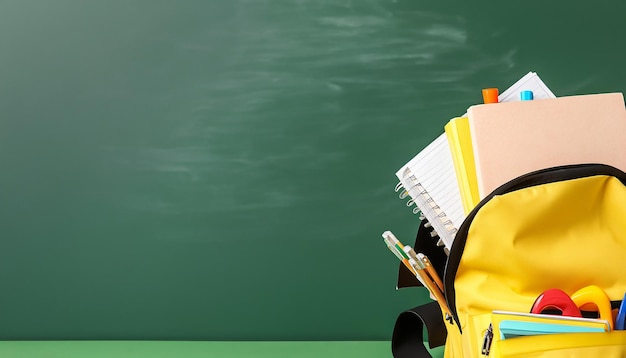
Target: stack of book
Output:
[{"x": 494, "y": 143}]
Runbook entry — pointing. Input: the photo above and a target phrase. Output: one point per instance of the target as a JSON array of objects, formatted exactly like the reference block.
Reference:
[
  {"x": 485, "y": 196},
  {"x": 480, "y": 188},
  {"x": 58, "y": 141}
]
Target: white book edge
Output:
[
  {"x": 554, "y": 317},
  {"x": 546, "y": 316}
]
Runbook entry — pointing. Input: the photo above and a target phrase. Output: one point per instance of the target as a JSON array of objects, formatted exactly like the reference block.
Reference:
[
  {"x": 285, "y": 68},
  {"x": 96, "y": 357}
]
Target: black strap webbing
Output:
[{"x": 407, "y": 340}]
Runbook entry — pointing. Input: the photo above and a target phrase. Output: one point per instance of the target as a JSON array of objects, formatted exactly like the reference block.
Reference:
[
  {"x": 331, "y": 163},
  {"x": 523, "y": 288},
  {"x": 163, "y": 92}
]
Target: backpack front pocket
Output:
[{"x": 605, "y": 345}]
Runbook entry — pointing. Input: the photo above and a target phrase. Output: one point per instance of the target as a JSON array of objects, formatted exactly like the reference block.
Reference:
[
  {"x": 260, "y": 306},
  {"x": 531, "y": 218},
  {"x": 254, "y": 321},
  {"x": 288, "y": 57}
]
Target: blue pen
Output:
[{"x": 620, "y": 321}]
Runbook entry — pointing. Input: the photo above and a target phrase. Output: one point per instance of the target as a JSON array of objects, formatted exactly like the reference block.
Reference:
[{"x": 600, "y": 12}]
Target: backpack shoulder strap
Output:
[{"x": 407, "y": 340}]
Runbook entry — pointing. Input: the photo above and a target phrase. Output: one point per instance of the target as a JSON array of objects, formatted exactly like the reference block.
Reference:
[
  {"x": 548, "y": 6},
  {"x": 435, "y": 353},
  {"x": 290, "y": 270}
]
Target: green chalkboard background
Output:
[{"x": 223, "y": 169}]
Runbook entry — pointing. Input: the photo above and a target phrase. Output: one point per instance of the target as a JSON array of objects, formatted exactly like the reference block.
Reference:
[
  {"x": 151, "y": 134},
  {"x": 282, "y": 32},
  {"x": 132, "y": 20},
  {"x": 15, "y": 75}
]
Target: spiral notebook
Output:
[{"x": 430, "y": 180}]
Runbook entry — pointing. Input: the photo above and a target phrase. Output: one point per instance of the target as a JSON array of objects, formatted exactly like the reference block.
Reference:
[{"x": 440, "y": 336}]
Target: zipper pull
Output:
[{"x": 487, "y": 340}]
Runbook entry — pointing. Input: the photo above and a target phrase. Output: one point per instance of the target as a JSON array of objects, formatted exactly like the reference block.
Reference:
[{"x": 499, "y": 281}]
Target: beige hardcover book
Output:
[{"x": 514, "y": 138}]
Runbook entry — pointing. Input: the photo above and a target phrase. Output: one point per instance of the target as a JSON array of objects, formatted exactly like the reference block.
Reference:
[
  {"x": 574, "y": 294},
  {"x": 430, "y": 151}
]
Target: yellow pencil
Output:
[
  {"x": 427, "y": 276},
  {"x": 431, "y": 270},
  {"x": 423, "y": 261},
  {"x": 432, "y": 287}
]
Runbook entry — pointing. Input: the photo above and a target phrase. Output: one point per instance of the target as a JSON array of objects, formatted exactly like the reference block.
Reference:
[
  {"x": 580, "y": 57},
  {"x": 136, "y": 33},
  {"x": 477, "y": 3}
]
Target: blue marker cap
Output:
[{"x": 526, "y": 95}]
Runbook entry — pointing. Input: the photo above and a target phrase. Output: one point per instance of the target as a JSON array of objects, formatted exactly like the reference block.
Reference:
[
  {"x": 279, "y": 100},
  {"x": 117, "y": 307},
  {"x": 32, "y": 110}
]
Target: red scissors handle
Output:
[{"x": 556, "y": 299}]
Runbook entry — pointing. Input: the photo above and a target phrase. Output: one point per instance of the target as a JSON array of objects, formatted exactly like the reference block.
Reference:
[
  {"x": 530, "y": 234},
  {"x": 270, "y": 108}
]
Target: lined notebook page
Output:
[{"x": 430, "y": 180}]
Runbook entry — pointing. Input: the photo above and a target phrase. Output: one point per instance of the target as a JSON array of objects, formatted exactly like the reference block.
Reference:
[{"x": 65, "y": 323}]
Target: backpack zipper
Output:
[{"x": 487, "y": 339}]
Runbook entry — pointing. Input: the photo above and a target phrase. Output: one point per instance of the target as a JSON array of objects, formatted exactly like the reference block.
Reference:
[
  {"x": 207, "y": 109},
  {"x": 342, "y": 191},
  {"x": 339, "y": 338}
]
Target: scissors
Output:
[
  {"x": 591, "y": 295},
  {"x": 556, "y": 299}
]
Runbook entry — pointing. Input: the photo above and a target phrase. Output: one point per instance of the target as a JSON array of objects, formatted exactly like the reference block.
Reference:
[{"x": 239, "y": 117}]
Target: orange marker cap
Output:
[{"x": 490, "y": 95}]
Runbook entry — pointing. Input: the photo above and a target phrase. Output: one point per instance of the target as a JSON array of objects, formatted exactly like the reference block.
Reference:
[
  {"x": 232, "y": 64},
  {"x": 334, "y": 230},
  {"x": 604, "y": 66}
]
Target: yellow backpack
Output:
[{"x": 562, "y": 227}]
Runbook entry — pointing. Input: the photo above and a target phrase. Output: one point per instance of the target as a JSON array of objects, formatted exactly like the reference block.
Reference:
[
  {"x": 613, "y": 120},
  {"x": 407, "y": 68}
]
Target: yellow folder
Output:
[{"x": 460, "y": 142}]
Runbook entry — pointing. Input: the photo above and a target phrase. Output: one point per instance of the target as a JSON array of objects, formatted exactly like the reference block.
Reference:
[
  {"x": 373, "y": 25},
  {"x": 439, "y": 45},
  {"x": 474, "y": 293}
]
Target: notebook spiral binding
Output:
[{"x": 425, "y": 203}]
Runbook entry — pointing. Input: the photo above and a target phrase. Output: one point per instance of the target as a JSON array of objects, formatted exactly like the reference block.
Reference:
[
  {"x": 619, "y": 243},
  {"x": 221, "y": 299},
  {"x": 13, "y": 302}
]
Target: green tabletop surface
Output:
[{"x": 190, "y": 349}]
